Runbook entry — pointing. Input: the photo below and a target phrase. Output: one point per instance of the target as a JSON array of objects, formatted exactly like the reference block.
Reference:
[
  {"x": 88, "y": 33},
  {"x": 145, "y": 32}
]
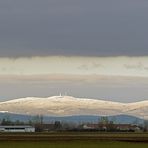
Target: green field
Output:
[
  {"x": 72, "y": 144},
  {"x": 74, "y": 140}
]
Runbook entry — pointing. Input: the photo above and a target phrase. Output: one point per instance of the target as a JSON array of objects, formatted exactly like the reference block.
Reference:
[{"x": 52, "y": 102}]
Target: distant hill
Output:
[{"x": 76, "y": 119}]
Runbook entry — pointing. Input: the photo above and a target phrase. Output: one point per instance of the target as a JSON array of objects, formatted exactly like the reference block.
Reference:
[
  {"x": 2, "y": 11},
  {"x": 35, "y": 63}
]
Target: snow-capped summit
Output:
[{"x": 68, "y": 105}]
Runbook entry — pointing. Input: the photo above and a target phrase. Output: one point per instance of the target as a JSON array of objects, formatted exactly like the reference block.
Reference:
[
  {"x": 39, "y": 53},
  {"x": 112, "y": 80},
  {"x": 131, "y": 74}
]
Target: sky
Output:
[{"x": 94, "y": 49}]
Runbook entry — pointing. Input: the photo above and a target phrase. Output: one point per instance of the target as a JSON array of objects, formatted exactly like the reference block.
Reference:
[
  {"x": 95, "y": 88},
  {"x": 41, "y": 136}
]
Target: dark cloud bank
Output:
[{"x": 73, "y": 27}]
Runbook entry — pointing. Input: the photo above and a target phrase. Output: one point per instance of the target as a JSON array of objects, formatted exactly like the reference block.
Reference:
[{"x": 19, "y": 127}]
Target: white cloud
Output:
[{"x": 109, "y": 66}]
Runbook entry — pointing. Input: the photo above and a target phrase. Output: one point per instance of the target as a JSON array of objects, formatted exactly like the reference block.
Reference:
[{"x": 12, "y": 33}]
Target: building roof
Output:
[{"x": 15, "y": 126}]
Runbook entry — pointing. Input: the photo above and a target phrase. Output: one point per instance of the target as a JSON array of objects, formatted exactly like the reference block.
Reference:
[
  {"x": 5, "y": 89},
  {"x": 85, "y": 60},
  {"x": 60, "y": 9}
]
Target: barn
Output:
[{"x": 18, "y": 128}]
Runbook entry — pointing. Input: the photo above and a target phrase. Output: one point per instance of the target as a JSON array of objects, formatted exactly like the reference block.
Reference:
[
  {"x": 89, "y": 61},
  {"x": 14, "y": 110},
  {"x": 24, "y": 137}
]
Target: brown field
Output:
[
  {"x": 73, "y": 140},
  {"x": 75, "y": 136}
]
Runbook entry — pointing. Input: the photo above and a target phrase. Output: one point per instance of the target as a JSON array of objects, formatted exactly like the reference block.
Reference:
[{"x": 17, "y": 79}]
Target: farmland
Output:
[
  {"x": 73, "y": 139},
  {"x": 71, "y": 144}
]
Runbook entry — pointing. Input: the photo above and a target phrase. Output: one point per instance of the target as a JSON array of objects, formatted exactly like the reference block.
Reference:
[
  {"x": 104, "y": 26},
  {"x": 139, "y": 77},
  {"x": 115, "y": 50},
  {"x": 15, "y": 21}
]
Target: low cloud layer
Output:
[
  {"x": 108, "y": 66},
  {"x": 122, "y": 79}
]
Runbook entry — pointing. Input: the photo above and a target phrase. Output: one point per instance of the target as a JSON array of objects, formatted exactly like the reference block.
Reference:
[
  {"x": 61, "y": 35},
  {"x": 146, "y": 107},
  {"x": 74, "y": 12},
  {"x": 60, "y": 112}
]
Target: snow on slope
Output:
[{"x": 67, "y": 106}]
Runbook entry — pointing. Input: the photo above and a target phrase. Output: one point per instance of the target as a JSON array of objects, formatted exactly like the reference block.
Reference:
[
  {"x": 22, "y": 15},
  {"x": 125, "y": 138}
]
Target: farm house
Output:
[{"x": 18, "y": 128}]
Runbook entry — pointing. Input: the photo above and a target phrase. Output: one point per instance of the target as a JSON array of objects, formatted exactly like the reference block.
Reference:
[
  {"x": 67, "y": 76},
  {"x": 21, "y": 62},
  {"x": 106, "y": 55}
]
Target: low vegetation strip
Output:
[
  {"x": 71, "y": 144},
  {"x": 128, "y": 137}
]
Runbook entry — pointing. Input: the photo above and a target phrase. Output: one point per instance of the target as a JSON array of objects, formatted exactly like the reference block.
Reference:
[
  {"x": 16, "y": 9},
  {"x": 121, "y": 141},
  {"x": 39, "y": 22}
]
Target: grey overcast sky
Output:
[
  {"x": 88, "y": 48},
  {"x": 73, "y": 27}
]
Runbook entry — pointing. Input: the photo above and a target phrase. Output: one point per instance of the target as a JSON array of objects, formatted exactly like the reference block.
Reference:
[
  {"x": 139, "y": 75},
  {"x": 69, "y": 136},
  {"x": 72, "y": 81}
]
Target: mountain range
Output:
[{"x": 62, "y": 106}]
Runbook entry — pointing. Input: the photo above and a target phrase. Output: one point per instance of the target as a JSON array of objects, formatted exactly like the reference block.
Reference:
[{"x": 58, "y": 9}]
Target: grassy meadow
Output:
[
  {"x": 74, "y": 140},
  {"x": 71, "y": 144}
]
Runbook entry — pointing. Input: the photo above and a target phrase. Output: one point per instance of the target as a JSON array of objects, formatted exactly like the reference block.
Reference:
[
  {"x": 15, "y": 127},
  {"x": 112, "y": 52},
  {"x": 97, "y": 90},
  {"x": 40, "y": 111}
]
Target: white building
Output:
[{"x": 18, "y": 128}]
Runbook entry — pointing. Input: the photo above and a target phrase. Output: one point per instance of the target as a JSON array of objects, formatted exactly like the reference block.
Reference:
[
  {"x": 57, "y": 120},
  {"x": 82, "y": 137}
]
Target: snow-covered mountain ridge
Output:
[{"x": 68, "y": 106}]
